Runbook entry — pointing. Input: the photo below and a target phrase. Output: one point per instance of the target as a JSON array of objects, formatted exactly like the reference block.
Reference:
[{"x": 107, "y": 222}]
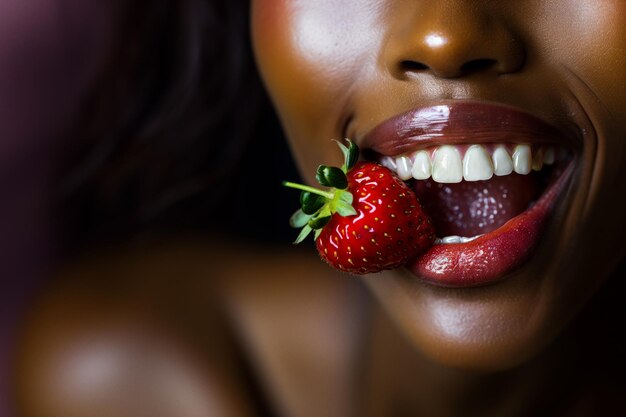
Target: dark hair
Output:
[{"x": 167, "y": 123}]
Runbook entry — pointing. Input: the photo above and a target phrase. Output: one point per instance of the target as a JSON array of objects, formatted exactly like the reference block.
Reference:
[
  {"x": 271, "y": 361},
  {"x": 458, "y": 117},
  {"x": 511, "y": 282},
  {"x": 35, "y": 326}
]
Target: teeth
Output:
[
  {"x": 522, "y": 159},
  {"x": 502, "y": 162},
  {"x": 477, "y": 164},
  {"x": 422, "y": 168},
  {"x": 389, "y": 163},
  {"x": 447, "y": 165},
  {"x": 404, "y": 165},
  {"x": 454, "y": 239}
]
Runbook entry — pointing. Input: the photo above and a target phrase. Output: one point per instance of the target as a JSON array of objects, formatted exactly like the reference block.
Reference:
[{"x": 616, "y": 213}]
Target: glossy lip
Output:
[
  {"x": 493, "y": 256},
  {"x": 461, "y": 122}
]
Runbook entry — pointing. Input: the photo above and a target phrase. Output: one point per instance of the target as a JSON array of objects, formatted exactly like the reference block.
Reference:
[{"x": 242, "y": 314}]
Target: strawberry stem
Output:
[{"x": 312, "y": 190}]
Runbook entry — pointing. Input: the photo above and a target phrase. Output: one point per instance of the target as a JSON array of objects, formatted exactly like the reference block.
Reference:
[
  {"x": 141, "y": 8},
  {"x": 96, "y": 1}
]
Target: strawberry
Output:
[{"x": 369, "y": 219}]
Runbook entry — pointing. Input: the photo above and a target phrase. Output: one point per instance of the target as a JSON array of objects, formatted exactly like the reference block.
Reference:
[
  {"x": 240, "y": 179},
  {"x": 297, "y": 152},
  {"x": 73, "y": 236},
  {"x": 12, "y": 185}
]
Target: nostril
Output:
[
  {"x": 412, "y": 66},
  {"x": 477, "y": 65}
]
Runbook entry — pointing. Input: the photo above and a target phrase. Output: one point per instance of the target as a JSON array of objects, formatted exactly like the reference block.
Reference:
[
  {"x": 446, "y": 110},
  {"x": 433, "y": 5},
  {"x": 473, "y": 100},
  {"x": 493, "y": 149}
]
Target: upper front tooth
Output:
[
  {"x": 404, "y": 165},
  {"x": 502, "y": 163},
  {"x": 477, "y": 164},
  {"x": 522, "y": 159},
  {"x": 422, "y": 168},
  {"x": 447, "y": 165}
]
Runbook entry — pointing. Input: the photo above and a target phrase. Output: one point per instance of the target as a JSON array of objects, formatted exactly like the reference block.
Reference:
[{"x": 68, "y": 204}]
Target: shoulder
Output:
[
  {"x": 191, "y": 330},
  {"x": 128, "y": 336}
]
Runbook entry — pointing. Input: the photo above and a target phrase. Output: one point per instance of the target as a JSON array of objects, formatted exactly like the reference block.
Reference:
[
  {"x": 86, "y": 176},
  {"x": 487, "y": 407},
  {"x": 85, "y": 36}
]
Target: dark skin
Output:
[
  {"x": 503, "y": 349},
  {"x": 325, "y": 67}
]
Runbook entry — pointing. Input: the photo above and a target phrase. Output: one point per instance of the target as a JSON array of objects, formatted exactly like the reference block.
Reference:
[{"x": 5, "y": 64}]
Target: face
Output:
[{"x": 505, "y": 118}]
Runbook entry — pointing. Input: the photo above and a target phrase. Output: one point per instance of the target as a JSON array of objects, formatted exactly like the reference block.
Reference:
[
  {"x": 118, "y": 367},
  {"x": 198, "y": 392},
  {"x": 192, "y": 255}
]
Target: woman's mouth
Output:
[{"x": 489, "y": 176}]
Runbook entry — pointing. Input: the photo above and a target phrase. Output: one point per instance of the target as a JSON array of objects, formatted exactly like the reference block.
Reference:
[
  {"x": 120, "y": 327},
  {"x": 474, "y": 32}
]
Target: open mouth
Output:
[{"x": 490, "y": 178}]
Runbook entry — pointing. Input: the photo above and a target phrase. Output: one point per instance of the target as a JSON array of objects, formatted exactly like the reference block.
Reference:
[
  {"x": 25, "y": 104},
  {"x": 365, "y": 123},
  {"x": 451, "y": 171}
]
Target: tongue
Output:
[{"x": 473, "y": 208}]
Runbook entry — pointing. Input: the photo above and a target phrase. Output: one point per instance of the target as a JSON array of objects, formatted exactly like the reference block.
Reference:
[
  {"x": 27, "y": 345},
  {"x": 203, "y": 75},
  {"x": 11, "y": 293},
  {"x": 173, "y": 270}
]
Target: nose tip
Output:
[
  {"x": 451, "y": 48},
  {"x": 445, "y": 59}
]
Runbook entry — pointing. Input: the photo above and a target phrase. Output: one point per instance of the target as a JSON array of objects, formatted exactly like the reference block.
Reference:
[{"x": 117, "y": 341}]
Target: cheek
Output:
[
  {"x": 589, "y": 49},
  {"x": 591, "y": 43},
  {"x": 316, "y": 41},
  {"x": 309, "y": 54}
]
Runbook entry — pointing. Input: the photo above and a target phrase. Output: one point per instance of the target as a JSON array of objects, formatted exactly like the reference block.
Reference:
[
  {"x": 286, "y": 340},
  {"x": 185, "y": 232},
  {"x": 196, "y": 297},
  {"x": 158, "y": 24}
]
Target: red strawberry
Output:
[{"x": 368, "y": 221}]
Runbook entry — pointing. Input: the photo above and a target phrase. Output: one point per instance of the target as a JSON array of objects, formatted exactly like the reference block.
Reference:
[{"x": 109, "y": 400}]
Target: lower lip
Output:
[{"x": 492, "y": 256}]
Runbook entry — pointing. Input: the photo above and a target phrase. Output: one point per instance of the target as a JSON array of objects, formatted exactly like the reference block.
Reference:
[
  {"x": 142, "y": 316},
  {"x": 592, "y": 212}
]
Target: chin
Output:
[{"x": 489, "y": 328}]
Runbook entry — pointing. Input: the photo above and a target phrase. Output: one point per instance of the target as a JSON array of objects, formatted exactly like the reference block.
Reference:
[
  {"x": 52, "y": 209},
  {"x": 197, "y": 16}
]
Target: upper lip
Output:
[{"x": 460, "y": 122}]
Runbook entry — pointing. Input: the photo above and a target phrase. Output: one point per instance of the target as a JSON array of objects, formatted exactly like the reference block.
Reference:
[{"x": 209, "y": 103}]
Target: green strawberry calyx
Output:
[{"x": 317, "y": 206}]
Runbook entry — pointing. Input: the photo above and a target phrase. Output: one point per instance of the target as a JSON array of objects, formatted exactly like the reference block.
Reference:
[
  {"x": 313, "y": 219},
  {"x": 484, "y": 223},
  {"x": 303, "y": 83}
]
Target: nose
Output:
[{"x": 451, "y": 39}]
